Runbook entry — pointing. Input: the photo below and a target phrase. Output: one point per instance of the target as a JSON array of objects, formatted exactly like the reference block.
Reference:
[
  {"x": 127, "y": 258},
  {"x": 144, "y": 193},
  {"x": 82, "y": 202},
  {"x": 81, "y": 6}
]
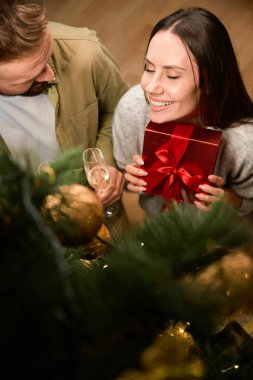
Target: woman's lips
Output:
[{"x": 159, "y": 105}]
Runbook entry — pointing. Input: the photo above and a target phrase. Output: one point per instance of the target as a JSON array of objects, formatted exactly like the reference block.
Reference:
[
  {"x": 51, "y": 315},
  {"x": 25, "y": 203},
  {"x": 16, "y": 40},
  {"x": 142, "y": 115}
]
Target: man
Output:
[{"x": 58, "y": 89}]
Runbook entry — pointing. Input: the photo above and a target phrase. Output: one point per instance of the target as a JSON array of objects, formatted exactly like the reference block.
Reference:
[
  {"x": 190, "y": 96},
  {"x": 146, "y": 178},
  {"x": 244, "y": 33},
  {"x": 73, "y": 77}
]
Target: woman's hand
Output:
[
  {"x": 232, "y": 198},
  {"x": 211, "y": 193},
  {"x": 133, "y": 174}
]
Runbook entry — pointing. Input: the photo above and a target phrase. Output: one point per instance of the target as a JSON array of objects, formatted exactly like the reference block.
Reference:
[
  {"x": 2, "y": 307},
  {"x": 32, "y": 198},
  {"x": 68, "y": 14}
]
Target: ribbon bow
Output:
[{"x": 169, "y": 169}]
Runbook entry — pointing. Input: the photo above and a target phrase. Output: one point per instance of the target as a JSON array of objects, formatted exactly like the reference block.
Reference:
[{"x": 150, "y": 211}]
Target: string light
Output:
[
  {"x": 179, "y": 328},
  {"x": 235, "y": 366}
]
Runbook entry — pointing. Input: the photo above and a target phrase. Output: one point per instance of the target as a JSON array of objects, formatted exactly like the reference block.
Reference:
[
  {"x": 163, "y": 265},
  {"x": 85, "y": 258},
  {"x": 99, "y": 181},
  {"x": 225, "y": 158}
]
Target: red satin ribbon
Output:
[{"x": 171, "y": 172}]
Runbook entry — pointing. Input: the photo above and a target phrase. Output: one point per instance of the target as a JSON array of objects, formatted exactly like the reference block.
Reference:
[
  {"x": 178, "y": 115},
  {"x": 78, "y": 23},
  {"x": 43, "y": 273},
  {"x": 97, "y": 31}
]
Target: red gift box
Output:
[{"x": 178, "y": 158}]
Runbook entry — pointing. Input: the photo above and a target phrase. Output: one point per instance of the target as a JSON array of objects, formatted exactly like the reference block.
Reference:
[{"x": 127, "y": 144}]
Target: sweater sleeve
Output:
[
  {"x": 129, "y": 121},
  {"x": 235, "y": 164}
]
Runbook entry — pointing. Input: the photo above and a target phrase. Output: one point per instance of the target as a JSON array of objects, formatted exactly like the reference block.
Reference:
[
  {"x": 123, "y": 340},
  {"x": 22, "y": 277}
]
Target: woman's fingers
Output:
[
  {"x": 134, "y": 170},
  {"x": 216, "y": 180},
  {"x": 202, "y": 206},
  {"x": 134, "y": 183},
  {"x": 134, "y": 174},
  {"x": 208, "y": 198},
  {"x": 137, "y": 159},
  {"x": 211, "y": 193}
]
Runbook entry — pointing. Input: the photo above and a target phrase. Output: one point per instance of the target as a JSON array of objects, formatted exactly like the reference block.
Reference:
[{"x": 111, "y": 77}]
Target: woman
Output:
[{"x": 191, "y": 75}]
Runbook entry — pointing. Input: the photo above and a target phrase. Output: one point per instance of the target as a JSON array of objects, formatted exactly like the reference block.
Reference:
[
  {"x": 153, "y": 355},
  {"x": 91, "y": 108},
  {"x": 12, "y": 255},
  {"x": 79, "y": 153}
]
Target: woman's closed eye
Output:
[
  {"x": 149, "y": 69},
  {"x": 173, "y": 76}
]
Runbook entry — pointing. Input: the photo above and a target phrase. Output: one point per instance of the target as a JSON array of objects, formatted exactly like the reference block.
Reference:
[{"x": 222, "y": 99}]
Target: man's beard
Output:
[{"x": 37, "y": 88}]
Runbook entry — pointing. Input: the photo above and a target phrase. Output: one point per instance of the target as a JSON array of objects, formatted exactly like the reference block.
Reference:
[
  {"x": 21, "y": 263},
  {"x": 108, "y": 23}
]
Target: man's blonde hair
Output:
[{"x": 22, "y": 26}]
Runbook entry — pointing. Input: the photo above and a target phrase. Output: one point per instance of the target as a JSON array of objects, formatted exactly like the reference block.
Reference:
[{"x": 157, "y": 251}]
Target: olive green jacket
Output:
[{"x": 87, "y": 89}]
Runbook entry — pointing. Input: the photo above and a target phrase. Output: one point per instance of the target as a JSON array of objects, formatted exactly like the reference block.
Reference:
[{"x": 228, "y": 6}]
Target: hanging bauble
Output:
[
  {"x": 74, "y": 213},
  {"x": 99, "y": 243}
]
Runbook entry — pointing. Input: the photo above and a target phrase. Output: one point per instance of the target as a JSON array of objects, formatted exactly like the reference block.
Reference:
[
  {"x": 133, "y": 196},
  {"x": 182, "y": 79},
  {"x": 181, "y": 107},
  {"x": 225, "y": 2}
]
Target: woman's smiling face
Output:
[{"x": 170, "y": 80}]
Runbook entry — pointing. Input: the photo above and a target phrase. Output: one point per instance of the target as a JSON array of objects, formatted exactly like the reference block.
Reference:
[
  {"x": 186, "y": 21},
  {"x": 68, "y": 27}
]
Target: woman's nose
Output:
[
  {"x": 47, "y": 75},
  {"x": 154, "y": 86}
]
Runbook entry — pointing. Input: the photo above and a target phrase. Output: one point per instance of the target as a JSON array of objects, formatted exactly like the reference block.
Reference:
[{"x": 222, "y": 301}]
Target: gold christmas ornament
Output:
[
  {"x": 98, "y": 245},
  {"x": 74, "y": 213},
  {"x": 172, "y": 355}
]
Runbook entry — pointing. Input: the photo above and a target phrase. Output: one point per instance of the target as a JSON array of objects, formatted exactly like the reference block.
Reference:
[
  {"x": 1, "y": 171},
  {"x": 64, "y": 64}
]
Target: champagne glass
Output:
[{"x": 98, "y": 175}]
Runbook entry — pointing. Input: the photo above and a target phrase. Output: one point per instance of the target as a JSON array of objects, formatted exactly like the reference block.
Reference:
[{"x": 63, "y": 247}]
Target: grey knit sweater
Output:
[{"x": 235, "y": 157}]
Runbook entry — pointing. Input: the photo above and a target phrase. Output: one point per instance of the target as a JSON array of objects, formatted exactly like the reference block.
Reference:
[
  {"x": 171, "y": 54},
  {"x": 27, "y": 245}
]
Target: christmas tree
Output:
[{"x": 159, "y": 303}]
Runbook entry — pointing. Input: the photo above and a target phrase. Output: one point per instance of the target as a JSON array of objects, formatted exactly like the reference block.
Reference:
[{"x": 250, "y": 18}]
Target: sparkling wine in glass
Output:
[{"x": 98, "y": 175}]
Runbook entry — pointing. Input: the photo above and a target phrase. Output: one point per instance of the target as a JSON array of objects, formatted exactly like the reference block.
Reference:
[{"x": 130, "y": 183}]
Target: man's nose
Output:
[{"x": 47, "y": 75}]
